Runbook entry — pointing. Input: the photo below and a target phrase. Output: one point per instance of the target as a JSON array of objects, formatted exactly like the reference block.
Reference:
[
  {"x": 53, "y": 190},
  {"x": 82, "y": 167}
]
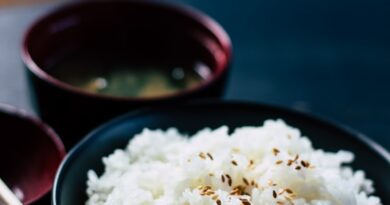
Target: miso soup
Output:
[{"x": 120, "y": 78}]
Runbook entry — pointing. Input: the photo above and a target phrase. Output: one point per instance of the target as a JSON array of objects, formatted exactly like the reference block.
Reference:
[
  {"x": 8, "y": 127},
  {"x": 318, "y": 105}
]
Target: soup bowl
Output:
[
  {"x": 137, "y": 32},
  {"x": 70, "y": 183},
  {"x": 30, "y": 153}
]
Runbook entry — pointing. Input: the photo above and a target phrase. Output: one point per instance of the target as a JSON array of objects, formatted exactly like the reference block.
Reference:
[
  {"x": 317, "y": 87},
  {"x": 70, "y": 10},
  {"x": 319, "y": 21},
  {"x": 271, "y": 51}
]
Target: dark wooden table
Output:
[{"x": 330, "y": 58}]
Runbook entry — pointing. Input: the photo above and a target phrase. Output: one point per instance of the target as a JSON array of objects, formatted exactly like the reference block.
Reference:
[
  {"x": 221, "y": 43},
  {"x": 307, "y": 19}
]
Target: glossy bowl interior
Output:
[
  {"x": 70, "y": 183},
  {"x": 30, "y": 153}
]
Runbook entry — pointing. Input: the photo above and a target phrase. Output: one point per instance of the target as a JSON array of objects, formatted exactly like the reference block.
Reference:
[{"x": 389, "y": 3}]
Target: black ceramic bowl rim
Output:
[
  {"x": 53, "y": 136},
  {"x": 185, "y": 10},
  {"x": 381, "y": 151}
]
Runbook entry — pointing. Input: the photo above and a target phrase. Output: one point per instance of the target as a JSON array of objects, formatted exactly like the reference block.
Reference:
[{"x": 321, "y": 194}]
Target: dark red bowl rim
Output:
[
  {"x": 53, "y": 136},
  {"x": 185, "y": 10}
]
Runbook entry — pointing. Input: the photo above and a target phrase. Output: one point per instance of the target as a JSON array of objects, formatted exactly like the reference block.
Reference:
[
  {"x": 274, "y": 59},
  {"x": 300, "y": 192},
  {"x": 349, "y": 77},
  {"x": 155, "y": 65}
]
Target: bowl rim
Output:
[
  {"x": 196, "y": 15},
  {"x": 89, "y": 138},
  {"x": 14, "y": 112}
]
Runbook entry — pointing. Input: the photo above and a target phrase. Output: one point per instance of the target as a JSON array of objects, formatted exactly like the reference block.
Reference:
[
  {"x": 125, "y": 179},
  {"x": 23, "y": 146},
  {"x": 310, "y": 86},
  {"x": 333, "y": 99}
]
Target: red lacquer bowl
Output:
[
  {"x": 139, "y": 31},
  {"x": 30, "y": 153}
]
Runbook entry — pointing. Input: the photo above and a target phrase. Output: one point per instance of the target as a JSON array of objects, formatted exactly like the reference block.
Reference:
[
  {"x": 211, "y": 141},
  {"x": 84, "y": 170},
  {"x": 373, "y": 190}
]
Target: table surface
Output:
[{"x": 329, "y": 58}]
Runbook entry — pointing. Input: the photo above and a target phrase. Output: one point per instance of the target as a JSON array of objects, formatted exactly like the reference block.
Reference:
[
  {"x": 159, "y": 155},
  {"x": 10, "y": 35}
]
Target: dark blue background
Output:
[{"x": 330, "y": 58}]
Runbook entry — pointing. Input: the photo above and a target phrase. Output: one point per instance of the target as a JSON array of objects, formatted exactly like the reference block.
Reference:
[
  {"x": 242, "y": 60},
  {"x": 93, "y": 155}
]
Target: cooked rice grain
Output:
[{"x": 268, "y": 165}]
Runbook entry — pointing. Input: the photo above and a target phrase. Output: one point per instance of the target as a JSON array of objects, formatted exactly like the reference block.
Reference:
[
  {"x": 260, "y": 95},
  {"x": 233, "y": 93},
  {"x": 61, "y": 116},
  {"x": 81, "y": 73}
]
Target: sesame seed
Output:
[
  {"x": 229, "y": 180},
  {"x": 234, "y": 192},
  {"x": 289, "y": 162},
  {"x": 202, "y": 156},
  {"x": 223, "y": 179},
  {"x": 245, "y": 181},
  {"x": 279, "y": 162},
  {"x": 234, "y": 163},
  {"x": 298, "y": 167},
  {"x": 296, "y": 157},
  {"x": 210, "y": 192},
  {"x": 274, "y": 194},
  {"x": 289, "y": 191},
  {"x": 275, "y": 151},
  {"x": 305, "y": 164},
  {"x": 207, "y": 187},
  {"x": 218, "y": 202},
  {"x": 210, "y": 156},
  {"x": 245, "y": 202}
]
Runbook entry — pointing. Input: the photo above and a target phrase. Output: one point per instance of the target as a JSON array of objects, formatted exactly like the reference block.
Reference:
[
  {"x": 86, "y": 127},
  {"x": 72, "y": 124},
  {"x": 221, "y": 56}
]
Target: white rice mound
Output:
[{"x": 267, "y": 165}]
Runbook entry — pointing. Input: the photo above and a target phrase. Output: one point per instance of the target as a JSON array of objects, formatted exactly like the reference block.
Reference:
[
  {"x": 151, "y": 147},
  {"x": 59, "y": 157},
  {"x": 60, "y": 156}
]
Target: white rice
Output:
[{"x": 254, "y": 165}]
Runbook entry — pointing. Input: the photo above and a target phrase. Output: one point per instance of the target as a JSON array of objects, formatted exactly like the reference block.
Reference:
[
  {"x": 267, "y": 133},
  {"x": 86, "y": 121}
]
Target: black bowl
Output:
[
  {"x": 70, "y": 183},
  {"x": 136, "y": 31}
]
